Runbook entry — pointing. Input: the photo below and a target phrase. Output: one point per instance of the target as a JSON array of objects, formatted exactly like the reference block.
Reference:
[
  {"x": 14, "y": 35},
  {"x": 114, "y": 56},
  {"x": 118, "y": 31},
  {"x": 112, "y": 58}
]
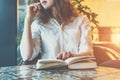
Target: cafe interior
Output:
[
  {"x": 105, "y": 37},
  {"x": 105, "y": 26}
]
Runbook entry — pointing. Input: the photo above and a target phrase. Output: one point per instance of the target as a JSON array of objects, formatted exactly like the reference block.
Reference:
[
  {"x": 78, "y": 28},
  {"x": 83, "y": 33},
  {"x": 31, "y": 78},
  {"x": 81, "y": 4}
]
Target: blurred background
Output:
[
  {"x": 105, "y": 21},
  {"x": 8, "y": 32},
  {"x": 103, "y": 15}
]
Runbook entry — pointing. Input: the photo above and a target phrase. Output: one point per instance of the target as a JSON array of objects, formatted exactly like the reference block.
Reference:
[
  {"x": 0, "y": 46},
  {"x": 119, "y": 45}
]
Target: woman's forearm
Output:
[
  {"x": 83, "y": 54},
  {"x": 26, "y": 45}
]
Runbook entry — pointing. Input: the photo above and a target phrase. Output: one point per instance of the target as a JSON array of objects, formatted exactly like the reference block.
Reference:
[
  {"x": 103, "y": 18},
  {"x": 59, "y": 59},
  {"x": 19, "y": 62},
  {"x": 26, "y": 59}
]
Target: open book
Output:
[{"x": 81, "y": 62}]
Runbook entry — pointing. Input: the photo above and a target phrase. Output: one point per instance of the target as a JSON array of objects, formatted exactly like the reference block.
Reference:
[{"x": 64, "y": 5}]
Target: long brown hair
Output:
[{"x": 64, "y": 11}]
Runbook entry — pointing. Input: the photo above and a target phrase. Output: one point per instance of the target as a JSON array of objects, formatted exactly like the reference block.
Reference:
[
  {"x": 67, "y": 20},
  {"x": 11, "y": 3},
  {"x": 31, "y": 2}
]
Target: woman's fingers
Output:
[
  {"x": 32, "y": 9},
  {"x": 64, "y": 55},
  {"x": 59, "y": 56},
  {"x": 36, "y": 7}
]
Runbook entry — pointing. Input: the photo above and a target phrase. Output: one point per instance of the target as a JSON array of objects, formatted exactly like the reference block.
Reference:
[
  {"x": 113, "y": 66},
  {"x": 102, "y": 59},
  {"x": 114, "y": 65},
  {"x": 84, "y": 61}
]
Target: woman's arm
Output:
[
  {"x": 66, "y": 55},
  {"x": 85, "y": 46},
  {"x": 27, "y": 45}
]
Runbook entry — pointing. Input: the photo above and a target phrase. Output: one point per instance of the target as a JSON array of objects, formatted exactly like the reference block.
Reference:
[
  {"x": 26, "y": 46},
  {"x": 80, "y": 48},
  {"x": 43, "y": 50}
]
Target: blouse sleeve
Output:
[
  {"x": 86, "y": 38},
  {"x": 35, "y": 32}
]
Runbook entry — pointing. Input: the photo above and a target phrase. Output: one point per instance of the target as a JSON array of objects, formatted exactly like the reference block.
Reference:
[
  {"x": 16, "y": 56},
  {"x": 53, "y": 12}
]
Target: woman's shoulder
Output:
[
  {"x": 82, "y": 18},
  {"x": 35, "y": 25},
  {"x": 35, "y": 22}
]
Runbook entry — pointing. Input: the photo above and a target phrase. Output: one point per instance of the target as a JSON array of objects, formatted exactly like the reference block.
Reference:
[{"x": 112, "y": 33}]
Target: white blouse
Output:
[{"x": 53, "y": 38}]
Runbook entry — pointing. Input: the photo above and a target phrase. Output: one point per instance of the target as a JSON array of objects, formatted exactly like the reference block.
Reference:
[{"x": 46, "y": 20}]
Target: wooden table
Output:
[{"x": 28, "y": 72}]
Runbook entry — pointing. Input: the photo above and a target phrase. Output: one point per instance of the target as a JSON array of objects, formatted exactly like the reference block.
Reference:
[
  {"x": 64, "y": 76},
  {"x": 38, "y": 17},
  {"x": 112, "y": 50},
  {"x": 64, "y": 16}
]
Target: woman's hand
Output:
[
  {"x": 32, "y": 9},
  {"x": 64, "y": 55}
]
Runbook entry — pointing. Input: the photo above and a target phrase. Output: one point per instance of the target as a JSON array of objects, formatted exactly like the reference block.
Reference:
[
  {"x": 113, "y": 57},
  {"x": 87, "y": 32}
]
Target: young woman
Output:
[{"x": 56, "y": 32}]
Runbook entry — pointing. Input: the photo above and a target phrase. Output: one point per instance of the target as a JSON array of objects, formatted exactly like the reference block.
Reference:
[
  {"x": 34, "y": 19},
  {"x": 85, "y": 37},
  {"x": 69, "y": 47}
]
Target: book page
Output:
[
  {"x": 83, "y": 65},
  {"x": 48, "y": 63},
  {"x": 77, "y": 59}
]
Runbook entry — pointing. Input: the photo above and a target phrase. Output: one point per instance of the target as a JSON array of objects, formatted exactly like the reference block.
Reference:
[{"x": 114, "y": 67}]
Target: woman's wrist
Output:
[
  {"x": 81, "y": 54},
  {"x": 28, "y": 20}
]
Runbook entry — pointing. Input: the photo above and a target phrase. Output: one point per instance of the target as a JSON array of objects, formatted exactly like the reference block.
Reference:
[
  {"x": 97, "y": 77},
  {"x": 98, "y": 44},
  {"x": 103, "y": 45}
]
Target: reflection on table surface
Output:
[{"x": 28, "y": 72}]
